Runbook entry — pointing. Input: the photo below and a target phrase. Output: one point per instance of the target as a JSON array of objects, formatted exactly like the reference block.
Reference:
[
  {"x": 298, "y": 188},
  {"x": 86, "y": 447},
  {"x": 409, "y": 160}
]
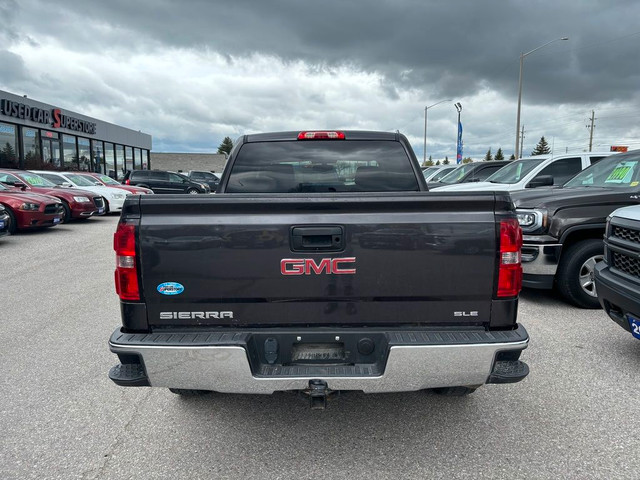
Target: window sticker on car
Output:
[
  {"x": 622, "y": 173},
  {"x": 34, "y": 180}
]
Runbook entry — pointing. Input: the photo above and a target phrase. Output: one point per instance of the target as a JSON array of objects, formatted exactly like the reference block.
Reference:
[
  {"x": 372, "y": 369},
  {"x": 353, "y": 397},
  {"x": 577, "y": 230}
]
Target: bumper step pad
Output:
[
  {"x": 129, "y": 375},
  {"x": 510, "y": 371}
]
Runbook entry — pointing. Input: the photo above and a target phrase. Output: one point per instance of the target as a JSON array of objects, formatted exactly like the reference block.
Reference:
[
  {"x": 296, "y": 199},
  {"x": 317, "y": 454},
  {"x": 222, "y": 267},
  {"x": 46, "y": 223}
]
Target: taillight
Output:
[
  {"x": 127, "y": 182},
  {"x": 124, "y": 243},
  {"x": 321, "y": 136},
  {"x": 510, "y": 269}
]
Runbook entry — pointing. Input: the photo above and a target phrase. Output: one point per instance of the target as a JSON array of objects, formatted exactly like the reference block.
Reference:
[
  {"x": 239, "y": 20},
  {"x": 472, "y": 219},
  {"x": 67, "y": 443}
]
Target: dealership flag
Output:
[{"x": 459, "y": 155}]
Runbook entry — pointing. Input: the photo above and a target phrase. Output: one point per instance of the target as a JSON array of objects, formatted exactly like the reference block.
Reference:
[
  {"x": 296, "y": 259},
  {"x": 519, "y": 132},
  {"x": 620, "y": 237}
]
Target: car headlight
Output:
[
  {"x": 531, "y": 220},
  {"x": 117, "y": 196},
  {"x": 82, "y": 199},
  {"x": 30, "y": 206},
  {"x": 140, "y": 192}
]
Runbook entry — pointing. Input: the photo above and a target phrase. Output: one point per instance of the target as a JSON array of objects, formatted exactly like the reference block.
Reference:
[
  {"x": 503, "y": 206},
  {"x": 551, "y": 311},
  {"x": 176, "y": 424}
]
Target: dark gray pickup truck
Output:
[{"x": 322, "y": 264}]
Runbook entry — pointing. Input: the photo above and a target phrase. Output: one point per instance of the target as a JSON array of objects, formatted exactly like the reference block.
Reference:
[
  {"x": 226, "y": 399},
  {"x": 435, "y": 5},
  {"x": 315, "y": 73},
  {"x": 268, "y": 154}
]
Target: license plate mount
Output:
[{"x": 318, "y": 353}]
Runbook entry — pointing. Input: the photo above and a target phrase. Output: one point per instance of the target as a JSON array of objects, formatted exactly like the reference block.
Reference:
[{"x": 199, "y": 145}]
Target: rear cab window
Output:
[{"x": 322, "y": 166}]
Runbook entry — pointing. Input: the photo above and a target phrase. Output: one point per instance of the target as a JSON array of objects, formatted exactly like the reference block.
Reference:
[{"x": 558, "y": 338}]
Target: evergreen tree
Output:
[
  {"x": 542, "y": 147},
  {"x": 499, "y": 155},
  {"x": 226, "y": 146},
  {"x": 467, "y": 160},
  {"x": 488, "y": 157},
  {"x": 428, "y": 163},
  {"x": 438, "y": 162},
  {"x": 445, "y": 161},
  {"x": 512, "y": 157}
]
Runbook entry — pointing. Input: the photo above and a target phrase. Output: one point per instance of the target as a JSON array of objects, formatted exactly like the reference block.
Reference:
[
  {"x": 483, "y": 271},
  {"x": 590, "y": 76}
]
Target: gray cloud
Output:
[{"x": 416, "y": 52}]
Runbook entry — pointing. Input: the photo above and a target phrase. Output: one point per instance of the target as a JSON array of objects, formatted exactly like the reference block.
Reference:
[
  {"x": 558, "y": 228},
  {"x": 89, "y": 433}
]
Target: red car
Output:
[
  {"x": 30, "y": 210},
  {"x": 75, "y": 203},
  {"x": 110, "y": 182}
]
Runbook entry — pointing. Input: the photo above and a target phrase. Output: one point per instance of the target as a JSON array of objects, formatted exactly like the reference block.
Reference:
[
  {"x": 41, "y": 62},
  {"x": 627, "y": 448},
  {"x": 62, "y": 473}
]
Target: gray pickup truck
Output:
[{"x": 321, "y": 265}]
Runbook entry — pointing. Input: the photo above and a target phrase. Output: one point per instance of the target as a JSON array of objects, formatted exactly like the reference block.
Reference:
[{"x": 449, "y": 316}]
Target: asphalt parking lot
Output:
[{"x": 61, "y": 417}]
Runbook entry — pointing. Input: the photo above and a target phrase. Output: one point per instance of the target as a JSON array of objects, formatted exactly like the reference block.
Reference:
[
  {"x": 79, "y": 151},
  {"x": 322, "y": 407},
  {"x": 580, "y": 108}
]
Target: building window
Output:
[
  {"x": 109, "y": 160},
  {"x": 97, "y": 156},
  {"x": 119, "y": 162},
  {"x": 31, "y": 145},
  {"x": 8, "y": 146},
  {"x": 128, "y": 159},
  {"x": 145, "y": 160},
  {"x": 84, "y": 150},
  {"x": 70, "y": 153},
  {"x": 51, "y": 150},
  {"x": 137, "y": 153}
]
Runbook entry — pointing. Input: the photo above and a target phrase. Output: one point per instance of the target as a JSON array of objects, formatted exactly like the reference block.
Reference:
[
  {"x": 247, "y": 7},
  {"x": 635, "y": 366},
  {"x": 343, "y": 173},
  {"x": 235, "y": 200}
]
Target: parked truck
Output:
[
  {"x": 563, "y": 227},
  {"x": 321, "y": 265},
  {"x": 618, "y": 276}
]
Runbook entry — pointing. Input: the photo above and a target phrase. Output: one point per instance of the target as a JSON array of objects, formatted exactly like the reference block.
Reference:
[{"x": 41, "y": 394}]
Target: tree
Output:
[
  {"x": 8, "y": 157},
  {"x": 512, "y": 157},
  {"x": 225, "y": 146},
  {"x": 542, "y": 147},
  {"x": 467, "y": 160},
  {"x": 445, "y": 161},
  {"x": 438, "y": 162},
  {"x": 488, "y": 156},
  {"x": 499, "y": 155},
  {"x": 428, "y": 163}
]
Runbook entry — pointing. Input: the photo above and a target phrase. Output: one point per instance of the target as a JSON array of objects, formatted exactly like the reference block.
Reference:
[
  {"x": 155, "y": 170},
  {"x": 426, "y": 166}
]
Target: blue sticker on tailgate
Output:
[{"x": 170, "y": 288}]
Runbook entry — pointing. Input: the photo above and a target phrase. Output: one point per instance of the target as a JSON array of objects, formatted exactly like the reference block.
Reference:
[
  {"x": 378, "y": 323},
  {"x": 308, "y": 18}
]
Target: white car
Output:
[
  {"x": 531, "y": 172},
  {"x": 436, "y": 172},
  {"x": 114, "y": 197}
]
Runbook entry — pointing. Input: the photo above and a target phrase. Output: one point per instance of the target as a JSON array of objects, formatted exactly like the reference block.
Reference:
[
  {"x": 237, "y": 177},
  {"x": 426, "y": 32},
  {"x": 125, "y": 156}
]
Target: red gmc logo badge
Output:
[{"x": 308, "y": 266}]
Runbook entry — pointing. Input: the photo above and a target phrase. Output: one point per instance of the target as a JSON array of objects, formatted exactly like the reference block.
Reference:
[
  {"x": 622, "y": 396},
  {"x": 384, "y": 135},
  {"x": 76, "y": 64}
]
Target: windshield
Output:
[
  {"x": 107, "y": 180},
  {"x": 80, "y": 180},
  {"x": 618, "y": 171},
  {"x": 457, "y": 174},
  {"x": 428, "y": 171},
  {"x": 36, "y": 180},
  {"x": 515, "y": 171}
]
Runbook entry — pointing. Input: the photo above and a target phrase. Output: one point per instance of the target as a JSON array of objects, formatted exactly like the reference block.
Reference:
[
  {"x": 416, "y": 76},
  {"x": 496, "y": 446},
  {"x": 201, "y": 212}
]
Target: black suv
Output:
[
  {"x": 164, "y": 182},
  {"x": 209, "y": 178}
]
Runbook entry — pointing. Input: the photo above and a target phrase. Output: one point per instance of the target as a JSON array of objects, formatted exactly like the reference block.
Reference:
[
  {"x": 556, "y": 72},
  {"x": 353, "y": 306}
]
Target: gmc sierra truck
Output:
[
  {"x": 321, "y": 264},
  {"x": 563, "y": 227},
  {"x": 618, "y": 276}
]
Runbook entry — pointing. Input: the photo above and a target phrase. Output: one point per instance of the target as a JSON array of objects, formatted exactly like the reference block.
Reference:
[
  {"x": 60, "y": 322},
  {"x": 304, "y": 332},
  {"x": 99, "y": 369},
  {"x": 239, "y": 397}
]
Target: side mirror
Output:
[
  {"x": 541, "y": 181},
  {"x": 20, "y": 185},
  {"x": 97, "y": 184},
  {"x": 66, "y": 184}
]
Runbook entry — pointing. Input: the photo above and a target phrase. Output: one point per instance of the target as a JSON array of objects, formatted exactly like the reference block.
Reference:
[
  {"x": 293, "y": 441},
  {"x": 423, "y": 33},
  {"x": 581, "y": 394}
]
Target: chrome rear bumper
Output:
[{"x": 227, "y": 368}]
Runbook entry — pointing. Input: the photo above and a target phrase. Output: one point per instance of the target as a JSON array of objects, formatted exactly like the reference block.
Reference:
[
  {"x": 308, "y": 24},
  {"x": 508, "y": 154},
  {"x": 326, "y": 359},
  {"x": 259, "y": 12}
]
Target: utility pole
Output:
[
  {"x": 521, "y": 141},
  {"x": 591, "y": 127}
]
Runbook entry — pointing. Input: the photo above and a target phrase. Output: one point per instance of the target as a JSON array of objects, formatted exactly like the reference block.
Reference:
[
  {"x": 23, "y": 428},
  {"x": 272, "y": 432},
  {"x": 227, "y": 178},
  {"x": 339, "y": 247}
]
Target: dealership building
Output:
[{"x": 35, "y": 135}]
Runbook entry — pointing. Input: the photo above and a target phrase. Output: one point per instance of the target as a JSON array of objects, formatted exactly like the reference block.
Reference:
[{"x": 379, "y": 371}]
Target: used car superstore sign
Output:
[{"x": 48, "y": 117}]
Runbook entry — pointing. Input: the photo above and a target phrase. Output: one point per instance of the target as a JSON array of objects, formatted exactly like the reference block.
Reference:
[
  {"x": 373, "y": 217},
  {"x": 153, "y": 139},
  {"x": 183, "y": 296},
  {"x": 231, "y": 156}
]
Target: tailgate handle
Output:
[{"x": 317, "y": 239}]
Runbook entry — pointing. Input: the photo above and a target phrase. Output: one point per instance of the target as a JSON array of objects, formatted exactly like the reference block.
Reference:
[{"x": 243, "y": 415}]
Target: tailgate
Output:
[{"x": 347, "y": 259}]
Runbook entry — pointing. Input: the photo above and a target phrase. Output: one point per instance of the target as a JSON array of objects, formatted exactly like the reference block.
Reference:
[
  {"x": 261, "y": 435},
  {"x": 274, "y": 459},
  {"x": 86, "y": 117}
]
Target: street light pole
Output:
[
  {"x": 425, "y": 128},
  {"x": 522, "y": 55}
]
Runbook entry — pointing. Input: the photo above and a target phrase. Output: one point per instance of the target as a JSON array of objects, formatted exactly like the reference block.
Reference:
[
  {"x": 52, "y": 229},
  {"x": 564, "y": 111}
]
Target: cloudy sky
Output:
[{"x": 191, "y": 72}]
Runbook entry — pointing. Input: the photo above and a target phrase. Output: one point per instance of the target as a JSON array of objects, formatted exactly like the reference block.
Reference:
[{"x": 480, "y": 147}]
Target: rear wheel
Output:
[
  {"x": 183, "y": 392},
  {"x": 192, "y": 191},
  {"x": 575, "y": 279},
  {"x": 13, "y": 226},
  {"x": 454, "y": 391}
]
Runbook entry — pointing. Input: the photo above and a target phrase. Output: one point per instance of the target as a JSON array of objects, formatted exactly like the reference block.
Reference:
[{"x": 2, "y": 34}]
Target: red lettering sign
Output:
[{"x": 309, "y": 266}]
